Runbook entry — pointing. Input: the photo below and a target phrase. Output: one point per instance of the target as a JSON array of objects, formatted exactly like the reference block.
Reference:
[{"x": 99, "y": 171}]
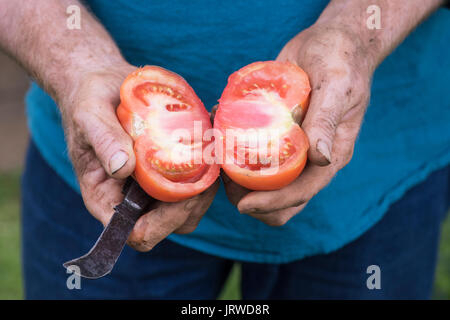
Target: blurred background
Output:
[{"x": 13, "y": 141}]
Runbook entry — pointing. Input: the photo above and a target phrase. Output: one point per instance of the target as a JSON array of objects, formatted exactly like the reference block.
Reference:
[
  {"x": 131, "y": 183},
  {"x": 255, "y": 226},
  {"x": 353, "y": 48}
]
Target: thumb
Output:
[
  {"x": 320, "y": 124},
  {"x": 111, "y": 144}
]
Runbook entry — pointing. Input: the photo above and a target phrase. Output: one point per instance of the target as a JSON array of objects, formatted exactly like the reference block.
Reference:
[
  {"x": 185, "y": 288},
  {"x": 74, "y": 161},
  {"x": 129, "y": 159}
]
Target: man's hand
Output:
[
  {"x": 102, "y": 156},
  {"x": 83, "y": 71},
  {"x": 340, "y": 80},
  {"x": 339, "y": 53}
]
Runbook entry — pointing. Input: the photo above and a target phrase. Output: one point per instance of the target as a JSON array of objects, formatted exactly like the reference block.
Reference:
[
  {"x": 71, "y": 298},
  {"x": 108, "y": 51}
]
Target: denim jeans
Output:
[{"x": 56, "y": 227}]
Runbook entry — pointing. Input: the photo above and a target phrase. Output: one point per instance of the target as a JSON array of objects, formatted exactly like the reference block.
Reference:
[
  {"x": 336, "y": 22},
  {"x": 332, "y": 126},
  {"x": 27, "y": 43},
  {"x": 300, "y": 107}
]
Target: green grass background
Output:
[{"x": 10, "y": 269}]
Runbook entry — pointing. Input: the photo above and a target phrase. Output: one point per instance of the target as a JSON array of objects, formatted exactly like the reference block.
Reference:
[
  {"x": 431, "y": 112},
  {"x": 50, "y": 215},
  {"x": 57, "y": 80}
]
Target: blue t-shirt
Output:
[{"x": 405, "y": 135}]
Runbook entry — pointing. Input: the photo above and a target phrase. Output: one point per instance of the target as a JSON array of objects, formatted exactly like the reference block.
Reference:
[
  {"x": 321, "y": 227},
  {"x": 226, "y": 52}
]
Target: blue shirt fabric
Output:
[{"x": 405, "y": 135}]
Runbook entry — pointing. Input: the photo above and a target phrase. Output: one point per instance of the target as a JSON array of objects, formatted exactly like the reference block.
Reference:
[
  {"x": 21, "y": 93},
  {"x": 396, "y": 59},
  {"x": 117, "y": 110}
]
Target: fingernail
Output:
[
  {"x": 252, "y": 211},
  {"x": 117, "y": 161},
  {"x": 246, "y": 210},
  {"x": 324, "y": 149}
]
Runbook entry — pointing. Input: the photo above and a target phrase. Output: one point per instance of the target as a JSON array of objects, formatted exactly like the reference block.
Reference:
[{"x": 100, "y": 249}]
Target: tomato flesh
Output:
[
  {"x": 166, "y": 120},
  {"x": 257, "y": 106}
]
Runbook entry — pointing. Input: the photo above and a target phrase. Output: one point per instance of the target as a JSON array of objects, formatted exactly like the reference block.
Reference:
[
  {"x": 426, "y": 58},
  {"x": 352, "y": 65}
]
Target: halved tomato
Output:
[
  {"x": 261, "y": 106},
  {"x": 166, "y": 120}
]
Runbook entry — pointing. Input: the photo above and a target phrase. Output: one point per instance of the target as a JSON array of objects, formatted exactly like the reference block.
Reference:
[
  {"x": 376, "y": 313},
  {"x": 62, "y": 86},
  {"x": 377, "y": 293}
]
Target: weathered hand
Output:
[
  {"x": 340, "y": 72},
  {"x": 102, "y": 155}
]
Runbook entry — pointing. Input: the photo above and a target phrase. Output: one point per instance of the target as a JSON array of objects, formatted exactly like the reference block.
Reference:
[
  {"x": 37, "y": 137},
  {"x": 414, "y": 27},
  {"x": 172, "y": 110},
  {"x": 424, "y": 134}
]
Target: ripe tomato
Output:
[
  {"x": 268, "y": 98},
  {"x": 166, "y": 120}
]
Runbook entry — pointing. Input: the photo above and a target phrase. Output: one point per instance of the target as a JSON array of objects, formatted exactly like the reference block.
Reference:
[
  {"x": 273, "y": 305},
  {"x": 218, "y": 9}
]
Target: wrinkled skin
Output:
[
  {"x": 94, "y": 137},
  {"x": 340, "y": 72}
]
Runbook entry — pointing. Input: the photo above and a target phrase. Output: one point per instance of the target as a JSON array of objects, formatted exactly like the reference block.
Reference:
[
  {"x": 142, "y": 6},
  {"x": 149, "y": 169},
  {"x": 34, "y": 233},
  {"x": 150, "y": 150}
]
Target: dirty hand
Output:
[
  {"x": 340, "y": 72},
  {"x": 102, "y": 156}
]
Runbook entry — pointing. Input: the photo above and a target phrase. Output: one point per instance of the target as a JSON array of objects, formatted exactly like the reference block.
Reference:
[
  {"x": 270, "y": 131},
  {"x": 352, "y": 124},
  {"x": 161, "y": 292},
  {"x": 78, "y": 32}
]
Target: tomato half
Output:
[
  {"x": 166, "y": 120},
  {"x": 260, "y": 106}
]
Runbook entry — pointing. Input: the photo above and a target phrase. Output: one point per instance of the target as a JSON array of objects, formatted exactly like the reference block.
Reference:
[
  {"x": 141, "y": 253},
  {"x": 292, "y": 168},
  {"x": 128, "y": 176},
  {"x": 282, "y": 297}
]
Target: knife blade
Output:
[{"x": 102, "y": 257}]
